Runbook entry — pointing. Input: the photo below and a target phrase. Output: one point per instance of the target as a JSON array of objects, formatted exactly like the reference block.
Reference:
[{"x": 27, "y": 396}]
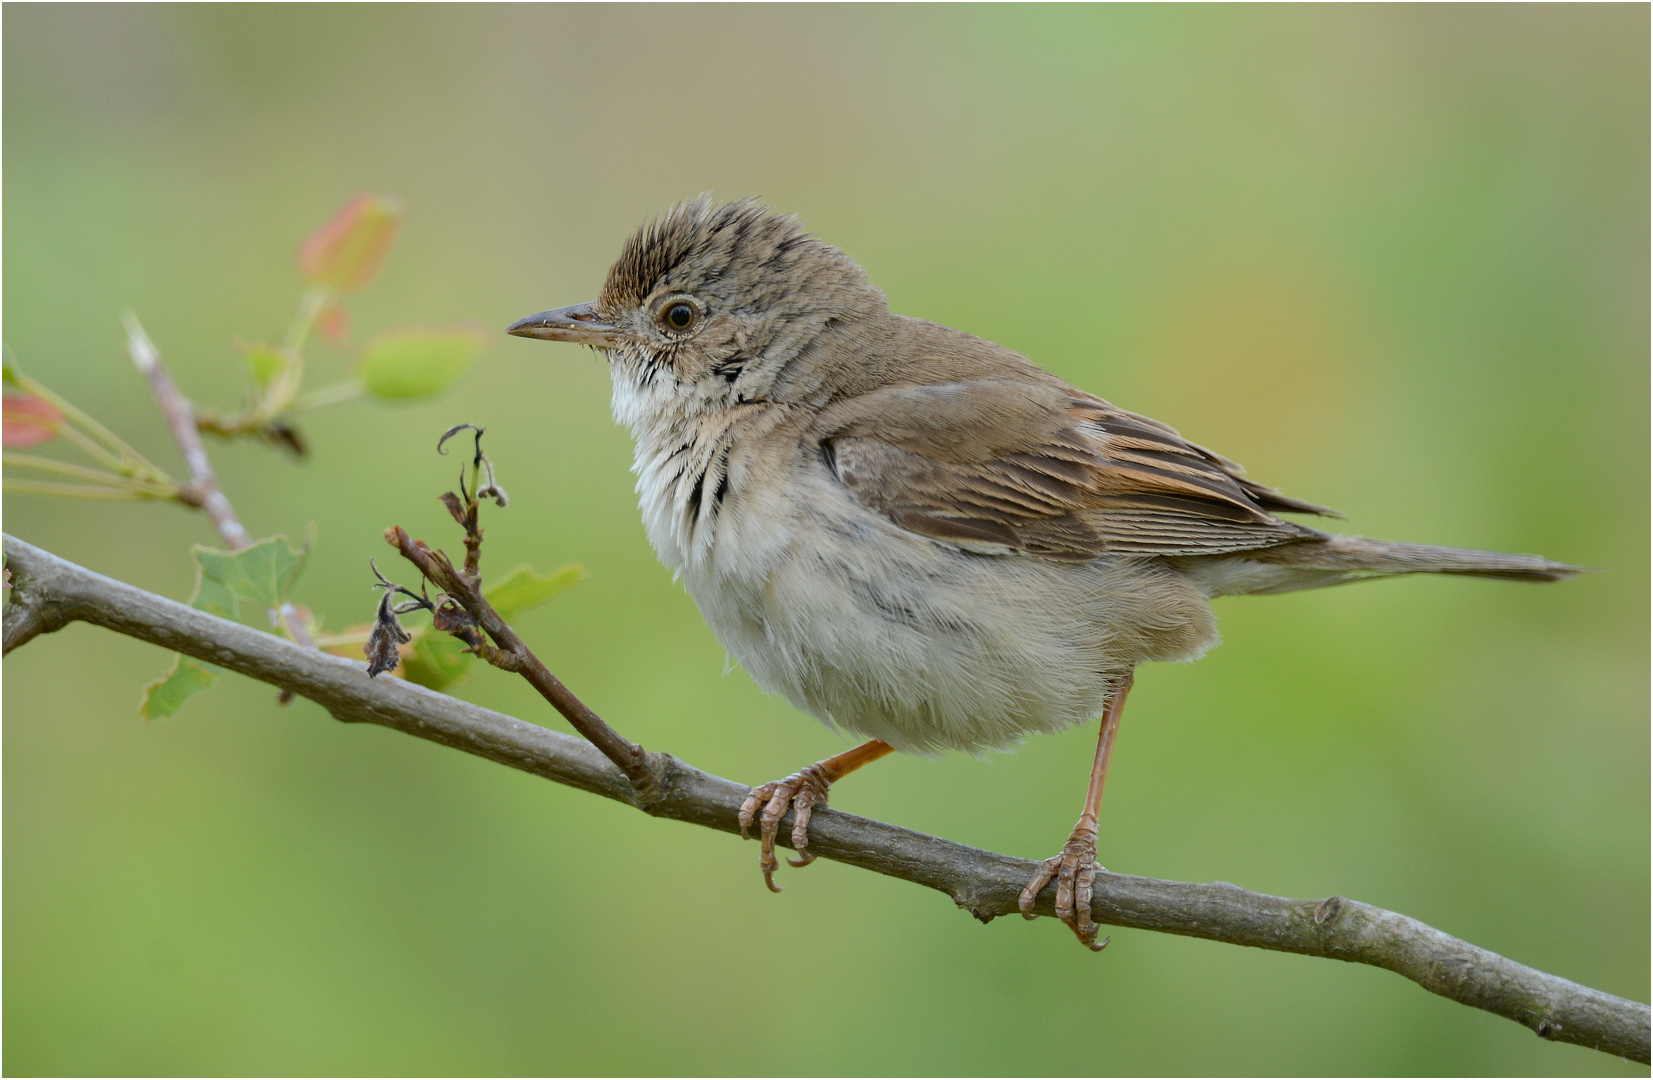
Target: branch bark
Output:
[
  {"x": 203, "y": 490},
  {"x": 49, "y": 593},
  {"x": 179, "y": 411}
]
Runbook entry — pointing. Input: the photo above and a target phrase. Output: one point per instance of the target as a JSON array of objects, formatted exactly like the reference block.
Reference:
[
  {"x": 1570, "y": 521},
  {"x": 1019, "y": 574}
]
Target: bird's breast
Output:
[
  {"x": 682, "y": 486},
  {"x": 693, "y": 464}
]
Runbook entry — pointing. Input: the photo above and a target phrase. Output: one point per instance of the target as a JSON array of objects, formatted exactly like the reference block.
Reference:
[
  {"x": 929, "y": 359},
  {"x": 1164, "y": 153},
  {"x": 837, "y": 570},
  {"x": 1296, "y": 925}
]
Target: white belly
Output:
[{"x": 898, "y": 637}]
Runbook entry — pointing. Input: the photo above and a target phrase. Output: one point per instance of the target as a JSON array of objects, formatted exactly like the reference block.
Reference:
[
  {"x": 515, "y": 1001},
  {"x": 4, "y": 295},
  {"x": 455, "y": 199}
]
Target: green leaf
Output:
[
  {"x": 166, "y": 695},
  {"x": 265, "y": 363},
  {"x": 214, "y": 597},
  {"x": 263, "y": 573},
  {"x": 276, "y": 373},
  {"x": 523, "y": 590},
  {"x": 419, "y": 363},
  {"x": 437, "y": 661}
]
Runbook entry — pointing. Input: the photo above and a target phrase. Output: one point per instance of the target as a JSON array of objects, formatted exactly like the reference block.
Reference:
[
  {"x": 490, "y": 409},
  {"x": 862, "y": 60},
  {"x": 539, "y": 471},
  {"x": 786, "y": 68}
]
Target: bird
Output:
[{"x": 916, "y": 535}]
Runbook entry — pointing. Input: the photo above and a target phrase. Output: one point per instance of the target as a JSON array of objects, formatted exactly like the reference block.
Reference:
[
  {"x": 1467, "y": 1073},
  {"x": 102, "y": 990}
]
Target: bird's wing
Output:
[{"x": 1043, "y": 469}]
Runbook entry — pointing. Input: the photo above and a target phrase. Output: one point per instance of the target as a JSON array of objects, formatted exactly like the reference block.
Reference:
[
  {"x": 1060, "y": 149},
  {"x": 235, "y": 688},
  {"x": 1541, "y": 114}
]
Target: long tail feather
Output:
[{"x": 1356, "y": 555}]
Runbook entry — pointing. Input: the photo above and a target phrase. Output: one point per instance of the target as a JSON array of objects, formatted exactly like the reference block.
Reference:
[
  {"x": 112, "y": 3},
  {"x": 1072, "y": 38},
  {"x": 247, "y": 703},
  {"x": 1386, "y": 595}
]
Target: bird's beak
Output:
[{"x": 578, "y": 323}]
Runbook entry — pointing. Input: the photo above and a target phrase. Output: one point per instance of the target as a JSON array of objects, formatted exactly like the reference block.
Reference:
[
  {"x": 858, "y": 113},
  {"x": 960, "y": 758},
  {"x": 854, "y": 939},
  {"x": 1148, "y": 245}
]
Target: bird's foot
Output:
[
  {"x": 1075, "y": 871},
  {"x": 802, "y": 792}
]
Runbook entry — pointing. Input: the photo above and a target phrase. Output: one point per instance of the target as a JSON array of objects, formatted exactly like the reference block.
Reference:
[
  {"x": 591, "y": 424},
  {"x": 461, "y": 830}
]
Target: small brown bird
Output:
[{"x": 914, "y": 534}]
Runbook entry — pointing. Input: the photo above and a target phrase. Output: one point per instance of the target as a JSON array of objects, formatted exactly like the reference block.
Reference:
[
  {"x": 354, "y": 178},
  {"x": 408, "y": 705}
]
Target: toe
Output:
[
  {"x": 1075, "y": 872},
  {"x": 803, "y": 805},
  {"x": 767, "y": 861},
  {"x": 1064, "y": 892},
  {"x": 766, "y": 851},
  {"x": 1085, "y": 926},
  {"x": 780, "y": 799},
  {"x": 1030, "y": 895},
  {"x": 749, "y": 811}
]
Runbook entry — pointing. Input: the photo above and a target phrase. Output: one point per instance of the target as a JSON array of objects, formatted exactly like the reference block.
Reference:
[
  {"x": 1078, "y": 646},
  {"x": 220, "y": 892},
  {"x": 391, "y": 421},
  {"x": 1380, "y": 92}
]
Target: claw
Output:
[
  {"x": 1075, "y": 873},
  {"x": 800, "y": 793},
  {"x": 747, "y": 810},
  {"x": 1041, "y": 878},
  {"x": 762, "y": 796}
]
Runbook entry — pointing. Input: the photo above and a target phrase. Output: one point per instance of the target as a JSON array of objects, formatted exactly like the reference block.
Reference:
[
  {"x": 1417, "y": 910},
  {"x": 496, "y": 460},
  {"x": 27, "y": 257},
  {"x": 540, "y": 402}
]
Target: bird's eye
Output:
[{"x": 680, "y": 316}]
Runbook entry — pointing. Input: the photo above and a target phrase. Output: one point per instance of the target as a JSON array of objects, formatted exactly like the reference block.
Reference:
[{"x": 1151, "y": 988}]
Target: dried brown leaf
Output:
[{"x": 382, "y": 652}]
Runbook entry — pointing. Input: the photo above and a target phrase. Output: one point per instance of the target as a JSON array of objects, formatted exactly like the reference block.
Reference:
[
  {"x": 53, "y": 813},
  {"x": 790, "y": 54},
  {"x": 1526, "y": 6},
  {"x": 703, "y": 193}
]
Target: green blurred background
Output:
[{"x": 1394, "y": 259}]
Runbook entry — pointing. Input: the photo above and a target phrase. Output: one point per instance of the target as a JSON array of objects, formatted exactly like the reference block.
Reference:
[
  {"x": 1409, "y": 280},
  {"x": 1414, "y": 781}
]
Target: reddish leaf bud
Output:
[
  {"x": 334, "y": 323},
  {"x": 28, "y": 420},
  {"x": 346, "y": 253}
]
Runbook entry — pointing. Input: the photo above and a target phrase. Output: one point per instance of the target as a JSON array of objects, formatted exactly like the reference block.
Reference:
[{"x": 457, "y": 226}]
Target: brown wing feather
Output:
[{"x": 1041, "y": 468}]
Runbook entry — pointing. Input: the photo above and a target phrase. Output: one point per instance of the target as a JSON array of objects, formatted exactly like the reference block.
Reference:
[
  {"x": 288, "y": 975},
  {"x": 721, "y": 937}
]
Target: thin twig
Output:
[
  {"x": 203, "y": 490},
  {"x": 102, "y": 444},
  {"x": 96, "y": 451},
  {"x": 463, "y": 587},
  {"x": 328, "y": 395},
  {"x": 81, "y": 472},
  {"x": 310, "y": 307},
  {"x": 644, "y": 770},
  {"x": 50, "y": 592},
  {"x": 288, "y": 617},
  {"x": 73, "y": 491}
]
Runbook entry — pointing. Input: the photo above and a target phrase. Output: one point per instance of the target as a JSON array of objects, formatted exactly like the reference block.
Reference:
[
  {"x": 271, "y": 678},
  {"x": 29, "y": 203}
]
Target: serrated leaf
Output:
[
  {"x": 437, "y": 660},
  {"x": 188, "y": 676},
  {"x": 346, "y": 253},
  {"x": 214, "y": 597},
  {"x": 263, "y": 573},
  {"x": 166, "y": 695},
  {"x": 523, "y": 590},
  {"x": 419, "y": 363}
]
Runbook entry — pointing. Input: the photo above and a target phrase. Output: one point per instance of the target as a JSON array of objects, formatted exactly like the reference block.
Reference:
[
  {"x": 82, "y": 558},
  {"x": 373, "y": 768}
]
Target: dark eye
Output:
[{"x": 679, "y": 316}]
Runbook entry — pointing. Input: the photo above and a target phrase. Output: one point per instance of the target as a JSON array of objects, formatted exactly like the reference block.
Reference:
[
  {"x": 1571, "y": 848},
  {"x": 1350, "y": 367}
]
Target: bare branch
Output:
[
  {"x": 466, "y": 613},
  {"x": 28, "y": 614},
  {"x": 646, "y": 771},
  {"x": 203, "y": 490},
  {"x": 50, "y": 592}
]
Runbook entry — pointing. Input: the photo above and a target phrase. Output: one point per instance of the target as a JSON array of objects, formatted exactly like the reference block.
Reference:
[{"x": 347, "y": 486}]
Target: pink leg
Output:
[{"x": 1075, "y": 868}]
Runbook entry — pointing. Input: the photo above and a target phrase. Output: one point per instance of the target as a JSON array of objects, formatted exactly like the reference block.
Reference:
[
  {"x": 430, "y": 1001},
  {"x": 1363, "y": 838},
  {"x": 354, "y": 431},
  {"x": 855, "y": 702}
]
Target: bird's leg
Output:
[
  {"x": 1075, "y": 868},
  {"x": 802, "y": 792}
]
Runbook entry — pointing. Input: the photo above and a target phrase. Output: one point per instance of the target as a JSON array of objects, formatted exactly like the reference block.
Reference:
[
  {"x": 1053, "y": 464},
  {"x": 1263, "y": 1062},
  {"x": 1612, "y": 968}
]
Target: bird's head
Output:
[{"x": 711, "y": 304}]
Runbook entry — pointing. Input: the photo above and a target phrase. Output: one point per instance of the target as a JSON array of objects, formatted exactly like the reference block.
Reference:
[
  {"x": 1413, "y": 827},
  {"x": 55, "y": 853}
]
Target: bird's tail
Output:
[{"x": 1353, "y": 557}]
